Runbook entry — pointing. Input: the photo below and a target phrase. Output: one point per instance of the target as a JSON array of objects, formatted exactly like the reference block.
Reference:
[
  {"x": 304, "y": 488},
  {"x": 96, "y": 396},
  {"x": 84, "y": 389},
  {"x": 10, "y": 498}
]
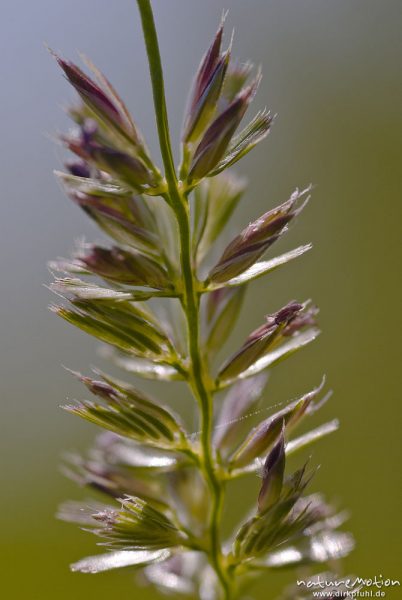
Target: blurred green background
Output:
[{"x": 332, "y": 72}]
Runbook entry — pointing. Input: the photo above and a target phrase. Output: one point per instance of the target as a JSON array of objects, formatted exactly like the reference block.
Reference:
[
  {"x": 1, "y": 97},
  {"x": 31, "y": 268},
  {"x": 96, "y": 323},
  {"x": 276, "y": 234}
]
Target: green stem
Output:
[{"x": 199, "y": 376}]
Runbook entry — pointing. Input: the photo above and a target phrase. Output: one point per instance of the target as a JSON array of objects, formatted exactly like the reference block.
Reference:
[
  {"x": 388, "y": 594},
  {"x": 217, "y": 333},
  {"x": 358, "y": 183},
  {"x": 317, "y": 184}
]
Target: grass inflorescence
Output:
[{"x": 163, "y": 489}]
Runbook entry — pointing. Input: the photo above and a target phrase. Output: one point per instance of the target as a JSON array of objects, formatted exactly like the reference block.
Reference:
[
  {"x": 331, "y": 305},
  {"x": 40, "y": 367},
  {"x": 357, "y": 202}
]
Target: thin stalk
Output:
[{"x": 198, "y": 377}]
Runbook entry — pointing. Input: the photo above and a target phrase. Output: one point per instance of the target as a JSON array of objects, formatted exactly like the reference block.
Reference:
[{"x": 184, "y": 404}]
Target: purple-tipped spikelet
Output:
[{"x": 164, "y": 485}]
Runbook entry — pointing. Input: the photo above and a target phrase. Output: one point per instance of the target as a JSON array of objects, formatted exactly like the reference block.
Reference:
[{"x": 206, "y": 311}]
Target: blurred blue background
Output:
[{"x": 332, "y": 73}]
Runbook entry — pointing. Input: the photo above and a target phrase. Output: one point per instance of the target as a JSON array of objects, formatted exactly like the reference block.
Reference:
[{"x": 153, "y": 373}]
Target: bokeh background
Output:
[{"x": 332, "y": 73}]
